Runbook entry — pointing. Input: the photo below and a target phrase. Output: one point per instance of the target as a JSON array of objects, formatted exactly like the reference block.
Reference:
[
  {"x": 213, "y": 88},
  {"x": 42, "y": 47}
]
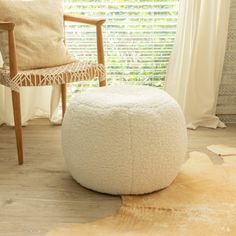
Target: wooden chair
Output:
[{"x": 50, "y": 76}]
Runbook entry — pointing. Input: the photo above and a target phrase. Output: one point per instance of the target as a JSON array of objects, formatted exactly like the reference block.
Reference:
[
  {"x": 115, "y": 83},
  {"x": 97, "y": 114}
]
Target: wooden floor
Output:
[{"x": 41, "y": 194}]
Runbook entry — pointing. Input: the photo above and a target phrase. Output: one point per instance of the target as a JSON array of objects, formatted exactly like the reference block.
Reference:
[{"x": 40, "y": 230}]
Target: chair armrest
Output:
[
  {"x": 84, "y": 20},
  {"x": 7, "y": 25},
  {"x": 98, "y": 23}
]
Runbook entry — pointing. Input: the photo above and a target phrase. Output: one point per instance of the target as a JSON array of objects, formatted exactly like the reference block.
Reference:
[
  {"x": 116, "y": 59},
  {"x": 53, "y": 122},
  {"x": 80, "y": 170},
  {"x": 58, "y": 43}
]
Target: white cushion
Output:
[
  {"x": 39, "y": 33},
  {"x": 124, "y": 139}
]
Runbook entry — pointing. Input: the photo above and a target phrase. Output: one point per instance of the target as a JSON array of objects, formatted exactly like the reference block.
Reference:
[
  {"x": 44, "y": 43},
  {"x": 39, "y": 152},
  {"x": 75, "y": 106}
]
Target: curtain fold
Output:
[
  {"x": 36, "y": 102},
  {"x": 195, "y": 67}
]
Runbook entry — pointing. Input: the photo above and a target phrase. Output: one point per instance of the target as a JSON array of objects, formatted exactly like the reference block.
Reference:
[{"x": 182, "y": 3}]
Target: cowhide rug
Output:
[{"x": 201, "y": 201}]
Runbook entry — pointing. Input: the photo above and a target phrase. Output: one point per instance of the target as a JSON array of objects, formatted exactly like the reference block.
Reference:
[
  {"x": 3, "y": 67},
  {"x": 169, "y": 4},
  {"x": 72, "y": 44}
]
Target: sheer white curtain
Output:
[
  {"x": 35, "y": 103},
  {"x": 195, "y": 67}
]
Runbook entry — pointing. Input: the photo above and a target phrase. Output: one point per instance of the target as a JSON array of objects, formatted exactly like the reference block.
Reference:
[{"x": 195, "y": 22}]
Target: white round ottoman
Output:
[{"x": 124, "y": 139}]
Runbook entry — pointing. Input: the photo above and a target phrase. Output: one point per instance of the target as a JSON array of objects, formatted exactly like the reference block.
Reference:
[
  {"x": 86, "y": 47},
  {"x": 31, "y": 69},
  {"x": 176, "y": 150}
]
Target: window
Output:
[{"x": 138, "y": 37}]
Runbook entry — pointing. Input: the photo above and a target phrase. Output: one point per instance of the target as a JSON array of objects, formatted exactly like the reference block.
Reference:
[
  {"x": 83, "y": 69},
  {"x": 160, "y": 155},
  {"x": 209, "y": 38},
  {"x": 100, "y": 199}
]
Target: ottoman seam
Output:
[{"x": 125, "y": 107}]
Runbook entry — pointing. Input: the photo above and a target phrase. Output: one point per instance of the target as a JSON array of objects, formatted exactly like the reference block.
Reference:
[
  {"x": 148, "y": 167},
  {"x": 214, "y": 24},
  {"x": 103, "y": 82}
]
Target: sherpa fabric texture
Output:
[
  {"x": 124, "y": 139},
  {"x": 39, "y": 33}
]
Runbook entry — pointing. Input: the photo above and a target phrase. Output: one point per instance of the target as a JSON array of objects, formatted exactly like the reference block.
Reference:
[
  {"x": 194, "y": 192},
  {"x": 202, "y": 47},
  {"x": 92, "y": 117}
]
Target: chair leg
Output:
[
  {"x": 18, "y": 128},
  {"x": 63, "y": 99},
  {"x": 102, "y": 83}
]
